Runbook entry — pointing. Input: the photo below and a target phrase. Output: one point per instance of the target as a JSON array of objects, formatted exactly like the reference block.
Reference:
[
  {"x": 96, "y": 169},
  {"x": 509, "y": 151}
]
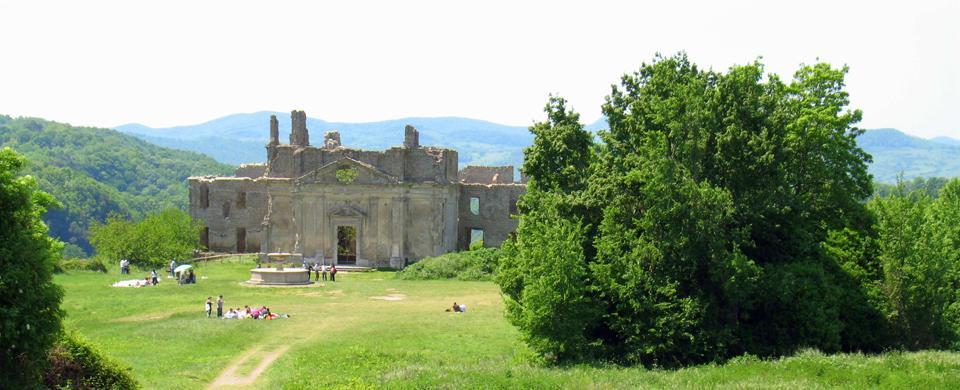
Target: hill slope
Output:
[
  {"x": 895, "y": 152},
  {"x": 94, "y": 172}
]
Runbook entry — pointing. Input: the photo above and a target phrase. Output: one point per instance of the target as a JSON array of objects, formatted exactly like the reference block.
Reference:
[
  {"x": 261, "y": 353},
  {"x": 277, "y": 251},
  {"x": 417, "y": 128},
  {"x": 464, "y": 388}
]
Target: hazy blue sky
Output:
[{"x": 106, "y": 63}]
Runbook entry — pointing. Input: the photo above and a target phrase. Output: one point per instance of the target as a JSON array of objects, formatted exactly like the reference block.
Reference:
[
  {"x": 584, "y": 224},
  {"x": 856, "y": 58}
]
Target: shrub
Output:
[
  {"x": 29, "y": 300},
  {"x": 72, "y": 251},
  {"x": 81, "y": 265},
  {"x": 77, "y": 364},
  {"x": 476, "y": 264},
  {"x": 542, "y": 276}
]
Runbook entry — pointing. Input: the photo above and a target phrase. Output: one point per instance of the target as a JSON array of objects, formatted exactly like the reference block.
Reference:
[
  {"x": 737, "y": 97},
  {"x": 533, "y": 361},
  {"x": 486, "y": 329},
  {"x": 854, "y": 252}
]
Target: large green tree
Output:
[
  {"x": 29, "y": 301},
  {"x": 150, "y": 243},
  {"x": 918, "y": 245},
  {"x": 560, "y": 155},
  {"x": 709, "y": 190}
]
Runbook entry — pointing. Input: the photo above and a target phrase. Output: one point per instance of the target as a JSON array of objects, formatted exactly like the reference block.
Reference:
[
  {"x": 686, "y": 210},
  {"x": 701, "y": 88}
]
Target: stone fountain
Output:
[{"x": 275, "y": 274}]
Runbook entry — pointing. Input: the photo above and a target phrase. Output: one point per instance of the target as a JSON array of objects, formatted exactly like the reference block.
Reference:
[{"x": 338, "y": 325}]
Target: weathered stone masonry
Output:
[{"x": 403, "y": 203}]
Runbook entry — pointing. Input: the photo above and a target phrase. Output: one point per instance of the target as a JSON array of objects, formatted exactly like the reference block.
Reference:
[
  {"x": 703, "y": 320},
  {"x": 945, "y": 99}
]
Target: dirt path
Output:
[{"x": 230, "y": 377}]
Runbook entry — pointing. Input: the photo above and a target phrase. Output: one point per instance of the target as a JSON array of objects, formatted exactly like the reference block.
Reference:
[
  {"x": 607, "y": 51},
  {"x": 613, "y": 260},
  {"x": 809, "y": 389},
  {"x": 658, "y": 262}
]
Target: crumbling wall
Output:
[
  {"x": 427, "y": 165},
  {"x": 497, "y": 205},
  {"x": 487, "y": 175},
  {"x": 252, "y": 171},
  {"x": 229, "y": 208}
]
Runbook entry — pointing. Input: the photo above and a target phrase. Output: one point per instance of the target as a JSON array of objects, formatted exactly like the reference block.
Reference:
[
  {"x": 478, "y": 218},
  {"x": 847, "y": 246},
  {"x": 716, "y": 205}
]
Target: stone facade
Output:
[{"x": 348, "y": 206}]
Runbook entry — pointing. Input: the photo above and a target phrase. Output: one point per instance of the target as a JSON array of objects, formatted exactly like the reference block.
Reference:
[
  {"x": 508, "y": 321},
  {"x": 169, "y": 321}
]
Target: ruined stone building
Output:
[{"x": 350, "y": 206}]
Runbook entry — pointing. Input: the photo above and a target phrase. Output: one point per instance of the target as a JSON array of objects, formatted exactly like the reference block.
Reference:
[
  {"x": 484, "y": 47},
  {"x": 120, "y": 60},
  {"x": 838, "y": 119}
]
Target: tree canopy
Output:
[
  {"x": 722, "y": 213},
  {"x": 168, "y": 235}
]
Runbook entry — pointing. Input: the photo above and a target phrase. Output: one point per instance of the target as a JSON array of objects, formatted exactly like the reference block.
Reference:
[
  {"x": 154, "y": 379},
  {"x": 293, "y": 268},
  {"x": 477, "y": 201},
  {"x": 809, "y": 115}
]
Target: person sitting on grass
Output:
[{"x": 456, "y": 308}]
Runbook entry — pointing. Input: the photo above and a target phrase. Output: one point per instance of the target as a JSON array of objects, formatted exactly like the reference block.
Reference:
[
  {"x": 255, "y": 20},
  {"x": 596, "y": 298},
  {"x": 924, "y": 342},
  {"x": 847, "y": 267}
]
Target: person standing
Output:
[
  {"x": 323, "y": 269},
  {"x": 333, "y": 273},
  {"x": 209, "y": 306},
  {"x": 220, "y": 306},
  {"x": 173, "y": 266},
  {"x": 153, "y": 277}
]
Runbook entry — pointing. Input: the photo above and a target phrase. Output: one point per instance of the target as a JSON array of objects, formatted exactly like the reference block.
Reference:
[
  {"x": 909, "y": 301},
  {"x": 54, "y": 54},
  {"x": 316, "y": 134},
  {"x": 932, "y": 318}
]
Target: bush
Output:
[
  {"x": 75, "y": 363},
  {"x": 81, "y": 265},
  {"x": 476, "y": 264},
  {"x": 29, "y": 300},
  {"x": 72, "y": 251}
]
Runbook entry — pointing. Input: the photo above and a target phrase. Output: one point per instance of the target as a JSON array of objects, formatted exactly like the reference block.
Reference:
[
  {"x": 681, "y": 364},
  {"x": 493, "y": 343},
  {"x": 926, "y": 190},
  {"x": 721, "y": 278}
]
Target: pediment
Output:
[
  {"x": 347, "y": 211},
  {"x": 365, "y": 174}
]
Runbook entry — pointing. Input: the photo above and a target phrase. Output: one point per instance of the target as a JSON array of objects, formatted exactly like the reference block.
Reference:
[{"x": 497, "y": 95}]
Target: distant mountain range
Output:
[
  {"x": 896, "y": 153},
  {"x": 240, "y": 138}
]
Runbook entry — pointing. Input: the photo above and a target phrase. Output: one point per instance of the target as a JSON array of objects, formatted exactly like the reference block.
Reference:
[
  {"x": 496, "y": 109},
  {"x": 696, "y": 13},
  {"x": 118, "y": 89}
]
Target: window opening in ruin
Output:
[
  {"x": 242, "y": 200},
  {"x": 476, "y": 237},
  {"x": 474, "y": 205},
  {"x": 346, "y": 175},
  {"x": 204, "y": 196},
  {"x": 205, "y": 238},
  {"x": 241, "y": 240},
  {"x": 346, "y": 245},
  {"x": 226, "y": 209},
  {"x": 513, "y": 206}
]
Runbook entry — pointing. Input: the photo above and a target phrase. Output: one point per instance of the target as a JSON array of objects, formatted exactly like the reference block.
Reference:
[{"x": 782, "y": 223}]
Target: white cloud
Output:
[{"x": 177, "y": 62}]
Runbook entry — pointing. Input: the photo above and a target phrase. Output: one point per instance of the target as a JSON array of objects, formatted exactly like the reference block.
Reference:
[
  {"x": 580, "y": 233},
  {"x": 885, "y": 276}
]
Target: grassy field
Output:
[{"x": 344, "y": 335}]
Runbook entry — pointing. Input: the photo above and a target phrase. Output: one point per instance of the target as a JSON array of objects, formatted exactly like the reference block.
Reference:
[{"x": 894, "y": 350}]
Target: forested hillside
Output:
[{"x": 94, "y": 172}]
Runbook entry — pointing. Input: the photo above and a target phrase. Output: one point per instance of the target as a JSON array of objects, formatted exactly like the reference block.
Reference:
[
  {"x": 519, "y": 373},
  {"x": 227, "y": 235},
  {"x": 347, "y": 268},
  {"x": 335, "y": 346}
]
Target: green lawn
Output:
[{"x": 340, "y": 336}]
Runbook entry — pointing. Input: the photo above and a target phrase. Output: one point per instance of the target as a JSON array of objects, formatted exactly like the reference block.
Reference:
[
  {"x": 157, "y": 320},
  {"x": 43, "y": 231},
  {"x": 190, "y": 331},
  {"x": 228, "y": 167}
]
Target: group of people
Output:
[
  {"x": 187, "y": 277},
  {"x": 124, "y": 267},
  {"x": 261, "y": 313},
  {"x": 150, "y": 280},
  {"x": 320, "y": 271}
]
